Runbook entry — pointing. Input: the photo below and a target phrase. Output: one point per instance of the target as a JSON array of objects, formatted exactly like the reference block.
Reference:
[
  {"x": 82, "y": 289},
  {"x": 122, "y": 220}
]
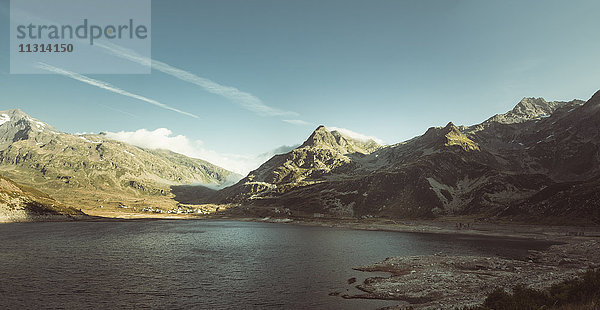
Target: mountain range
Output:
[{"x": 540, "y": 161}]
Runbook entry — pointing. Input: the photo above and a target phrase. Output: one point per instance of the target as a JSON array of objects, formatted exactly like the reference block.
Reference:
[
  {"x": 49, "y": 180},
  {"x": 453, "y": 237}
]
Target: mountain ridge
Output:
[
  {"x": 91, "y": 170},
  {"x": 520, "y": 164}
]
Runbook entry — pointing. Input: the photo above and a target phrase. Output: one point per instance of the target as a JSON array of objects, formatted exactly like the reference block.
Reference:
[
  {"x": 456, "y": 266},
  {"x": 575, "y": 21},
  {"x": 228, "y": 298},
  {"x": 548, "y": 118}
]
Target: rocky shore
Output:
[
  {"x": 444, "y": 282},
  {"x": 20, "y": 216}
]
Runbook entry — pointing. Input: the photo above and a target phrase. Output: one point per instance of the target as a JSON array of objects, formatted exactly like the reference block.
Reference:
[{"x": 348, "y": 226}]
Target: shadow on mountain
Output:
[{"x": 192, "y": 194}]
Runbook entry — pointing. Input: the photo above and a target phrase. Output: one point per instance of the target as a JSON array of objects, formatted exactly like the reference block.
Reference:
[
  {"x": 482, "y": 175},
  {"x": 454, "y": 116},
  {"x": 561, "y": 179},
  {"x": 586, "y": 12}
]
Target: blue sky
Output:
[{"x": 389, "y": 69}]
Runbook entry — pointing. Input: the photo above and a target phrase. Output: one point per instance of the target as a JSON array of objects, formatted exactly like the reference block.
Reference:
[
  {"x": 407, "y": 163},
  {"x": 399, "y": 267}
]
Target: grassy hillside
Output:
[{"x": 23, "y": 203}]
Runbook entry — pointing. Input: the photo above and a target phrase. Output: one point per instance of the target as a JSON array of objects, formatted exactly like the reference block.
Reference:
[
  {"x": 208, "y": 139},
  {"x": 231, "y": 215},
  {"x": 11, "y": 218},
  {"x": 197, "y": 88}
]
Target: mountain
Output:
[
  {"x": 531, "y": 108},
  {"x": 319, "y": 156},
  {"x": 22, "y": 203},
  {"x": 540, "y": 161},
  {"x": 90, "y": 170}
]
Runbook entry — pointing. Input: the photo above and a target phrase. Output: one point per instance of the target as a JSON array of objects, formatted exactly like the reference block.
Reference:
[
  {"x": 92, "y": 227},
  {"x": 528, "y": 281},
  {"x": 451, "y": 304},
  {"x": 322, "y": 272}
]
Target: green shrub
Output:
[
  {"x": 579, "y": 293},
  {"x": 522, "y": 298},
  {"x": 581, "y": 290}
]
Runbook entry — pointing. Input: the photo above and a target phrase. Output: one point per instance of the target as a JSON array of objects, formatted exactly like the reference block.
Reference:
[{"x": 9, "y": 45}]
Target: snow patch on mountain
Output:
[
  {"x": 89, "y": 141},
  {"x": 4, "y": 118}
]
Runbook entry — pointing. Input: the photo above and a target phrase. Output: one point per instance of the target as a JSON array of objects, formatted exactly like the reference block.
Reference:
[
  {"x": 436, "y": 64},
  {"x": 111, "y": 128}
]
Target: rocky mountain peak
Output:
[
  {"x": 450, "y": 127},
  {"x": 436, "y": 132},
  {"x": 530, "y": 108},
  {"x": 11, "y": 116},
  {"x": 16, "y": 125},
  {"x": 448, "y": 135},
  {"x": 322, "y": 137},
  {"x": 531, "y": 103},
  {"x": 16, "y": 117}
]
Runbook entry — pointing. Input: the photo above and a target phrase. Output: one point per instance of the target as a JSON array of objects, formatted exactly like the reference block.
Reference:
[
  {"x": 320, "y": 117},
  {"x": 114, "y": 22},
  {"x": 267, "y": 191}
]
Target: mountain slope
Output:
[
  {"x": 91, "y": 170},
  {"x": 21, "y": 203},
  {"x": 529, "y": 161}
]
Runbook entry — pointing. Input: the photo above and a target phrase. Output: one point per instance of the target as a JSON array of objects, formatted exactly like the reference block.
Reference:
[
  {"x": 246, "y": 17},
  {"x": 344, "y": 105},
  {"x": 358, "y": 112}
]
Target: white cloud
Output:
[
  {"x": 246, "y": 100},
  {"x": 109, "y": 87},
  {"x": 356, "y": 135},
  {"x": 297, "y": 122},
  {"x": 163, "y": 138}
]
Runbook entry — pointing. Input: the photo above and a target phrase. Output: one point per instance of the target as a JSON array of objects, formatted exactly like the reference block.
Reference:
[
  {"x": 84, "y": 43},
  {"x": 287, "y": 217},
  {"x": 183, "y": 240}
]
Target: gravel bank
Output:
[{"x": 442, "y": 282}]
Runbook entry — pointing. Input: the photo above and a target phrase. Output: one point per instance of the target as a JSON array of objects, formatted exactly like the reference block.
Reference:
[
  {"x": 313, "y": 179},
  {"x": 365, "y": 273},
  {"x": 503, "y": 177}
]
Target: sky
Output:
[{"x": 236, "y": 80}]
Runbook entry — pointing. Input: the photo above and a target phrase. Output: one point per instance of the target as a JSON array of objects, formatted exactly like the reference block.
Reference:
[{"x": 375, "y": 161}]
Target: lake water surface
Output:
[{"x": 170, "y": 264}]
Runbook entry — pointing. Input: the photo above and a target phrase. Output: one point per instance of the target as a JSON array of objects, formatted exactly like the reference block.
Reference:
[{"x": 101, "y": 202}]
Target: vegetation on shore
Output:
[{"x": 579, "y": 293}]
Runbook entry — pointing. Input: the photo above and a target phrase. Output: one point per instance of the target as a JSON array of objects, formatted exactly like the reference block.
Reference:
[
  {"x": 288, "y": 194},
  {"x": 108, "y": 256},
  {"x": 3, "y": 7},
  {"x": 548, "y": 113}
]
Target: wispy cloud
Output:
[
  {"x": 246, "y": 100},
  {"x": 297, "y": 122},
  {"x": 163, "y": 138},
  {"x": 117, "y": 110},
  {"x": 109, "y": 87}
]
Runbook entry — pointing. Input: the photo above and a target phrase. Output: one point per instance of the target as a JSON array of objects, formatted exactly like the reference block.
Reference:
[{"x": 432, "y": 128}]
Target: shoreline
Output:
[
  {"x": 508, "y": 230},
  {"x": 433, "y": 226},
  {"x": 439, "y": 280},
  {"x": 450, "y": 281},
  {"x": 445, "y": 281}
]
